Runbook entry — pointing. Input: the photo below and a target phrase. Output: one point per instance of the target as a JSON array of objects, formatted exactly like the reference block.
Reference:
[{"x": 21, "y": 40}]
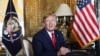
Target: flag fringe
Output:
[{"x": 84, "y": 46}]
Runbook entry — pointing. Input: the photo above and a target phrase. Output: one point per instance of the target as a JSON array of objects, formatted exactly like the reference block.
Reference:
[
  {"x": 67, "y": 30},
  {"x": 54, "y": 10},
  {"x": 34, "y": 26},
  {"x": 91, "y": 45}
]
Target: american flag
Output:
[{"x": 85, "y": 26}]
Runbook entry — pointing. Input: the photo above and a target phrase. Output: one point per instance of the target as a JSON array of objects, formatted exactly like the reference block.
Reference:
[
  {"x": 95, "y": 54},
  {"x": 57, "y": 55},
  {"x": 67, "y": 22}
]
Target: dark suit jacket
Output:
[{"x": 43, "y": 46}]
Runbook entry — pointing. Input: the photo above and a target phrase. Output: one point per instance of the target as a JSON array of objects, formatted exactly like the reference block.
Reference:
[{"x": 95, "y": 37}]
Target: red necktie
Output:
[{"x": 53, "y": 40}]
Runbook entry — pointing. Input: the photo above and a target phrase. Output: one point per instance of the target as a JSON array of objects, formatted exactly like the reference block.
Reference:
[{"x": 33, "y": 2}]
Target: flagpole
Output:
[{"x": 97, "y": 43}]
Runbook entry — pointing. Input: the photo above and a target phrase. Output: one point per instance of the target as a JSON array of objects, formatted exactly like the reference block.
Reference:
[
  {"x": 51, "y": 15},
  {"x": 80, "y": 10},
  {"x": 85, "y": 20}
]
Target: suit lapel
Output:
[{"x": 47, "y": 37}]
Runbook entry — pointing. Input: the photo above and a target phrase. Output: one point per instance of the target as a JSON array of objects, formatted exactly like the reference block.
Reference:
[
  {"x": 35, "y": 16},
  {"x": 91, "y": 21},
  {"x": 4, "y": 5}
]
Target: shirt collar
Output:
[{"x": 49, "y": 33}]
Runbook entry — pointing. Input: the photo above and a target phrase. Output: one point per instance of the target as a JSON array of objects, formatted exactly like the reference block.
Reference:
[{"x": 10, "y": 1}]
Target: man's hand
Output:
[{"x": 63, "y": 51}]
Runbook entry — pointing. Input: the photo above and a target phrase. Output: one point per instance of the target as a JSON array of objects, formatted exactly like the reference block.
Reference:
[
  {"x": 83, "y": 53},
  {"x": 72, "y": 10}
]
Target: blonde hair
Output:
[{"x": 47, "y": 15}]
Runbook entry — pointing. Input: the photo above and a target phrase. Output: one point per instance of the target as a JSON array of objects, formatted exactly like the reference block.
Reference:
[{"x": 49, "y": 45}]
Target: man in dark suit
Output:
[{"x": 48, "y": 41}]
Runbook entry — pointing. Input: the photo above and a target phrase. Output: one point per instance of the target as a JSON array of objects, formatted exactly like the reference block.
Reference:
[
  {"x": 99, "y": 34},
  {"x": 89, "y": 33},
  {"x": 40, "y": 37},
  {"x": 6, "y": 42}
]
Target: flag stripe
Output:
[
  {"x": 81, "y": 34},
  {"x": 93, "y": 14},
  {"x": 84, "y": 13},
  {"x": 84, "y": 22},
  {"x": 91, "y": 21},
  {"x": 80, "y": 29},
  {"x": 85, "y": 26},
  {"x": 79, "y": 25},
  {"x": 77, "y": 33}
]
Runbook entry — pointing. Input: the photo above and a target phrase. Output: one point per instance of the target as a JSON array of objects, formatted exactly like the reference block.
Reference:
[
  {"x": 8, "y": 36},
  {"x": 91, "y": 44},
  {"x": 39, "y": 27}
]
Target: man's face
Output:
[{"x": 50, "y": 23}]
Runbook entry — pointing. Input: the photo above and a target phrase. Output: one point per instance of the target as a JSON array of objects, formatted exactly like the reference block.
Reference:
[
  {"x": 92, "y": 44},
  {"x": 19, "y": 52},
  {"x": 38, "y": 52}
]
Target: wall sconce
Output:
[{"x": 64, "y": 15}]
